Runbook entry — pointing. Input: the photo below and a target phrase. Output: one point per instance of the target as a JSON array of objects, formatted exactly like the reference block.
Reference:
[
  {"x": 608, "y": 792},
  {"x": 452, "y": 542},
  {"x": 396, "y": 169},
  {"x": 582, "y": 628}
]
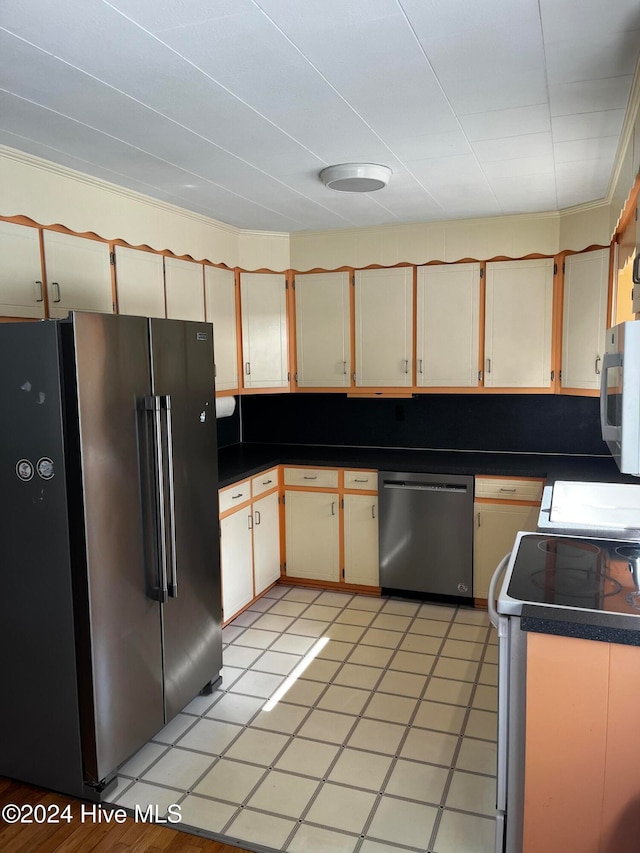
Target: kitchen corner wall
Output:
[{"x": 524, "y": 423}]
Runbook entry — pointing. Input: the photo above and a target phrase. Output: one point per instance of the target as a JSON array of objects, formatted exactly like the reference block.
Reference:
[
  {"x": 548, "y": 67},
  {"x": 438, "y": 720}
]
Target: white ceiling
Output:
[{"x": 231, "y": 107}]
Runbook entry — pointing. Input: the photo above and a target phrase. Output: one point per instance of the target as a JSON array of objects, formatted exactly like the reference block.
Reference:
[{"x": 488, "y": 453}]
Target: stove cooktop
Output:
[{"x": 572, "y": 572}]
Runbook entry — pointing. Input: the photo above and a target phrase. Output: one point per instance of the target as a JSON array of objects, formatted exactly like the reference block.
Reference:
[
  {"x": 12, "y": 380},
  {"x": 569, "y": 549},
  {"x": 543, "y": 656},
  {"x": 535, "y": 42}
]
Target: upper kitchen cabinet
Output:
[
  {"x": 264, "y": 330},
  {"x": 448, "y": 325},
  {"x": 518, "y": 324},
  {"x": 220, "y": 309},
  {"x": 21, "y": 288},
  {"x": 384, "y": 327},
  {"x": 584, "y": 318},
  {"x": 184, "y": 286},
  {"x": 78, "y": 274},
  {"x": 139, "y": 282},
  {"x": 323, "y": 338}
]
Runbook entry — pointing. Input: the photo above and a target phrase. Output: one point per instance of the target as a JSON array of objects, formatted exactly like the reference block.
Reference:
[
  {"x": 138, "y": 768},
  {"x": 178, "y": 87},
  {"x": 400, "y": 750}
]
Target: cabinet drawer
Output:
[
  {"x": 234, "y": 495},
  {"x": 508, "y": 489},
  {"x": 264, "y": 482},
  {"x": 326, "y": 478},
  {"x": 361, "y": 480}
]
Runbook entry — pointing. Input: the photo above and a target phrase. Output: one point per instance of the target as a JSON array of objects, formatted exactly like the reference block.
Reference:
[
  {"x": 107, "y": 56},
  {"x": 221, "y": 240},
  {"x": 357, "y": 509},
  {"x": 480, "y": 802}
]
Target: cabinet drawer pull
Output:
[
  {"x": 39, "y": 293},
  {"x": 315, "y": 477},
  {"x": 56, "y": 291},
  {"x": 356, "y": 480},
  {"x": 267, "y": 482},
  {"x": 373, "y": 510},
  {"x": 597, "y": 368},
  {"x": 333, "y": 507},
  {"x": 507, "y": 490},
  {"x": 235, "y": 497}
]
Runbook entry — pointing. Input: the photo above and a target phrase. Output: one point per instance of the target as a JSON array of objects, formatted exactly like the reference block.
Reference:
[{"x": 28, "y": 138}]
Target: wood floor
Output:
[{"x": 77, "y": 837}]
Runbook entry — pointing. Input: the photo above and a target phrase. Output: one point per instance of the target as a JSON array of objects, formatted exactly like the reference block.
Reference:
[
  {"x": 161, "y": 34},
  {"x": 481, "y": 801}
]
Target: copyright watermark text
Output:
[{"x": 53, "y": 813}]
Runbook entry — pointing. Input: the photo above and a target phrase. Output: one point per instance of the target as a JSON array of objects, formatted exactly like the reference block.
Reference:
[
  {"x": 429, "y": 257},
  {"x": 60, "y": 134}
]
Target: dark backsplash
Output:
[
  {"x": 528, "y": 423},
  {"x": 229, "y": 428}
]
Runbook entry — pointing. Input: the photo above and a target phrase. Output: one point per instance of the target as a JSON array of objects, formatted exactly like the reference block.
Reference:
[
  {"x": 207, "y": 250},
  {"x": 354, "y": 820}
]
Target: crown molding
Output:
[{"x": 628, "y": 125}]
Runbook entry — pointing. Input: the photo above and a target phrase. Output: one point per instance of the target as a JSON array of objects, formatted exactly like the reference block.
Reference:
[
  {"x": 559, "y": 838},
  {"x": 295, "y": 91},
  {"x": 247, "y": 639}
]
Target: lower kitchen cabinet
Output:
[
  {"x": 496, "y": 525},
  {"x": 312, "y": 535},
  {"x": 236, "y": 562},
  {"x": 266, "y": 542},
  {"x": 361, "y": 561}
]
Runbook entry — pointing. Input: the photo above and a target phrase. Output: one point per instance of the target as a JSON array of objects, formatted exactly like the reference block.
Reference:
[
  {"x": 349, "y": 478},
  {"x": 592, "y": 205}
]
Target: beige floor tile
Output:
[
  {"x": 284, "y": 718},
  {"x": 175, "y": 729},
  {"x": 402, "y": 683},
  {"x": 308, "y": 627},
  {"x": 485, "y": 698},
  {"x": 472, "y": 793},
  {"x": 230, "y": 780},
  {"x": 261, "y": 605},
  {"x": 230, "y": 674},
  {"x": 245, "y": 619},
  {"x": 417, "y": 781},
  {"x": 278, "y": 663},
  {"x": 412, "y": 662},
  {"x": 257, "y": 747},
  {"x": 391, "y": 621},
  {"x": 436, "y": 611},
  {"x": 493, "y": 636},
  {"x": 401, "y": 607},
  {"x": 462, "y": 832},
  {"x": 139, "y": 762},
  {"x": 303, "y": 693},
  {"x": 210, "y": 736},
  {"x": 350, "y": 616},
  {"x": 348, "y": 700},
  {"x": 283, "y": 794},
  {"x": 421, "y": 643},
  {"x": 470, "y": 633},
  {"x": 442, "y": 718},
  {"x": 370, "y": 603},
  {"x": 181, "y": 766},
  {"x": 327, "y": 726},
  {"x": 261, "y": 829},
  {"x": 322, "y": 612},
  {"x": 430, "y": 627},
  {"x": 433, "y": 747},
  {"x": 479, "y": 756},
  {"x": 301, "y": 593},
  {"x": 489, "y": 674},
  {"x": 370, "y": 655},
  {"x": 308, "y": 756},
  {"x": 293, "y": 644},
  {"x": 355, "y": 675},
  {"x": 312, "y": 838},
  {"x": 377, "y": 736},
  {"x": 446, "y": 690},
  {"x": 256, "y": 639},
  {"x": 267, "y": 622},
  {"x": 491, "y": 654},
  {"x": 340, "y": 807},
  {"x": 235, "y": 708},
  {"x": 360, "y": 769},
  {"x": 143, "y": 794},
  {"x": 369, "y": 846},
  {"x": 472, "y": 617},
  {"x": 335, "y": 599},
  {"x": 403, "y": 822},
  {"x": 462, "y": 670},
  {"x": 482, "y": 724},
  {"x": 260, "y": 684},
  {"x": 321, "y": 670},
  {"x": 199, "y": 705},
  {"x": 203, "y": 813},
  {"x": 336, "y": 650},
  {"x": 345, "y": 633},
  {"x": 279, "y": 590},
  {"x": 384, "y": 706},
  {"x": 383, "y": 639},
  {"x": 231, "y": 632},
  {"x": 287, "y": 608},
  {"x": 463, "y": 650}
]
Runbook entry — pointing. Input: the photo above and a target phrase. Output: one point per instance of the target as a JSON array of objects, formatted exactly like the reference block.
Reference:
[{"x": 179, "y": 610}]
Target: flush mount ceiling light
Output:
[{"x": 355, "y": 177}]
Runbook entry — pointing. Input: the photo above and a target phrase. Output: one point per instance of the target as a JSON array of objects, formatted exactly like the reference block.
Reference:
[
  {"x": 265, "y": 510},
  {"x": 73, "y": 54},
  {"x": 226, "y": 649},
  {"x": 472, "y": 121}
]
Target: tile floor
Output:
[{"x": 386, "y": 742}]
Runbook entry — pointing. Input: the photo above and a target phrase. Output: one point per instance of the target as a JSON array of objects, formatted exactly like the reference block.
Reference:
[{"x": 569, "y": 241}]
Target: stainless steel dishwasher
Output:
[{"x": 426, "y": 533}]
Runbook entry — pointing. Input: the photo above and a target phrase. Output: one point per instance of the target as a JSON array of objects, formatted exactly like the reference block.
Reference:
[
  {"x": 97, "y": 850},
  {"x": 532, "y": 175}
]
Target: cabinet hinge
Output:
[
  {"x": 286, "y": 284},
  {"x": 283, "y": 500},
  {"x": 284, "y": 567},
  {"x": 343, "y": 574},
  {"x": 353, "y": 280},
  {"x": 342, "y": 503},
  {"x": 288, "y": 376},
  {"x": 560, "y": 375},
  {"x": 479, "y": 376},
  {"x": 112, "y": 258},
  {"x": 555, "y": 269},
  {"x": 295, "y": 376},
  {"x": 563, "y": 267},
  {"x": 354, "y": 376},
  {"x": 293, "y": 285},
  {"x": 481, "y": 273}
]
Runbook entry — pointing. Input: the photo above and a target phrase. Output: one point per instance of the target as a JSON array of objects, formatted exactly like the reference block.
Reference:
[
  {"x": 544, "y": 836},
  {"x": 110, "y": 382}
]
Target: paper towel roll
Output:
[{"x": 225, "y": 406}]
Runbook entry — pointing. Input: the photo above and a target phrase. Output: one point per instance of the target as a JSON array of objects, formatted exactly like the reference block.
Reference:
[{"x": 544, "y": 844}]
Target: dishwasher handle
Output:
[
  {"x": 491, "y": 596},
  {"x": 426, "y": 487}
]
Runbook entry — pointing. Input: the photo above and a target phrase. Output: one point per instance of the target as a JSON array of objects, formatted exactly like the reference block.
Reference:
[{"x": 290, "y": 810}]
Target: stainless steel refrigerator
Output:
[{"x": 110, "y": 613}]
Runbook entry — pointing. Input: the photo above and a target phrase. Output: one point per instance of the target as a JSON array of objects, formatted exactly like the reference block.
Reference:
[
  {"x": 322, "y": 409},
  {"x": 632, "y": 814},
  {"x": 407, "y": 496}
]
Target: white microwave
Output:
[{"x": 620, "y": 396}]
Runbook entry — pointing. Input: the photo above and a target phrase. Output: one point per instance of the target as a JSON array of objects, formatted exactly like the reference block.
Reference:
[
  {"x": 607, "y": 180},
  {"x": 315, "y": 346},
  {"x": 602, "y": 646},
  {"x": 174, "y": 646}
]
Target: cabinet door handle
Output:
[
  {"x": 373, "y": 510},
  {"x": 305, "y": 477},
  {"x": 344, "y": 368},
  {"x": 39, "y": 293},
  {"x": 478, "y": 519},
  {"x": 419, "y": 365},
  {"x": 406, "y": 365},
  {"x": 247, "y": 368},
  {"x": 598, "y": 360},
  {"x": 507, "y": 490},
  {"x": 250, "y": 522},
  {"x": 488, "y": 365},
  {"x": 333, "y": 507},
  {"x": 256, "y": 515},
  {"x": 56, "y": 291}
]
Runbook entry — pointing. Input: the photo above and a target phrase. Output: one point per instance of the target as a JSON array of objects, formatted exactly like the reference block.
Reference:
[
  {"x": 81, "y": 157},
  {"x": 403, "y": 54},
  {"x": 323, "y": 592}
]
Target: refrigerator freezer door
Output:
[
  {"x": 121, "y": 652},
  {"x": 183, "y": 379}
]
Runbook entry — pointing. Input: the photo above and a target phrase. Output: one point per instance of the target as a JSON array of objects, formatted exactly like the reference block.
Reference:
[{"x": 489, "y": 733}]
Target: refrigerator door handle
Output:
[
  {"x": 171, "y": 499},
  {"x": 153, "y": 493}
]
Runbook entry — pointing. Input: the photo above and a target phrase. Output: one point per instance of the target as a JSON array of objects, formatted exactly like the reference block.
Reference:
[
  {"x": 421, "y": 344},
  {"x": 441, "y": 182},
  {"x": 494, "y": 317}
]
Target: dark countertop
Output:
[
  {"x": 605, "y": 627},
  {"x": 245, "y": 460}
]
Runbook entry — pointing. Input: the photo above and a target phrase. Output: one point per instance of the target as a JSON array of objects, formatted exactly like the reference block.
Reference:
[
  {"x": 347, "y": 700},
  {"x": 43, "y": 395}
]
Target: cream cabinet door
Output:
[
  {"x": 384, "y": 327},
  {"x": 323, "y": 338},
  {"x": 496, "y": 526},
  {"x": 184, "y": 285},
  {"x": 264, "y": 330},
  {"x": 584, "y": 318},
  {"x": 236, "y": 562},
  {"x": 448, "y": 325},
  {"x": 312, "y": 535},
  {"x": 220, "y": 309},
  {"x": 519, "y": 300},
  {"x": 361, "y": 561},
  {"x": 139, "y": 282},
  {"x": 266, "y": 542},
  {"x": 78, "y": 274},
  {"x": 21, "y": 288}
]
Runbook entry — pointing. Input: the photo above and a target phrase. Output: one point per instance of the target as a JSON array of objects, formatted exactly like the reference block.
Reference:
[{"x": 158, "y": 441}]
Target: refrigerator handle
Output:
[
  {"x": 153, "y": 498},
  {"x": 173, "y": 581}
]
